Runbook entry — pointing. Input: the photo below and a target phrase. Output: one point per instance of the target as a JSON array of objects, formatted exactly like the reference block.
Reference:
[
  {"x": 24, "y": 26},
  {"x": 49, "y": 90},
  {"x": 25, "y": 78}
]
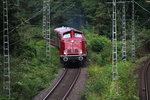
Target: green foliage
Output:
[
  {"x": 99, "y": 43},
  {"x": 31, "y": 71},
  {"x": 28, "y": 48},
  {"x": 29, "y": 79},
  {"x": 142, "y": 42},
  {"x": 30, "y": 41},
  {"x": 99, "y": 48},
  {"x": 3, "y": 98},
  {"x": 97, "y": 16},
  {"x": 99, "y": 86},
  {"x": 142, "y": 59}
]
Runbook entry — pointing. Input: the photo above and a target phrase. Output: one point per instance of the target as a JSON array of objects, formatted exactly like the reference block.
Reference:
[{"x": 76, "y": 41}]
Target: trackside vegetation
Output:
[
  {"x": 99, "y": 85},
  {"x": 31, "y": 71}
]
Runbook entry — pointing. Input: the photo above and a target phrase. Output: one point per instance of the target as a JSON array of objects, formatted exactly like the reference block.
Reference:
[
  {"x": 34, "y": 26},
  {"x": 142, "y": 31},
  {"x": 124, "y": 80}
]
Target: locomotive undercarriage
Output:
[{"x": 73, "y": 59}]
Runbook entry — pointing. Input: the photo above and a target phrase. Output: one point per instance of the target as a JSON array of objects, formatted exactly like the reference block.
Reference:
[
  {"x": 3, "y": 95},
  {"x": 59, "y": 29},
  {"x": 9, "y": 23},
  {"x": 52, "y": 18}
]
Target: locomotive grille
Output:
[
  {"x": 69, "y": 50},
  {"x": 76, "y": 51}
]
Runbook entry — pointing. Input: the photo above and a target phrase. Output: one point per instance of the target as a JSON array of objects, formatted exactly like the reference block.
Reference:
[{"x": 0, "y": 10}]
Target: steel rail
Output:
[
  {"x": 71, "y": 87},
  {"x": 59, "y": 82},
  {"x": 146, "y": 80}
]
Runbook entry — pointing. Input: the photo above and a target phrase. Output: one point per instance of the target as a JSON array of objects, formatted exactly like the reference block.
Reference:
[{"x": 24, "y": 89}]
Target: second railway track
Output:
[
  {"x": 147, "y": 81},
  {"x": 64, "y": 85}
]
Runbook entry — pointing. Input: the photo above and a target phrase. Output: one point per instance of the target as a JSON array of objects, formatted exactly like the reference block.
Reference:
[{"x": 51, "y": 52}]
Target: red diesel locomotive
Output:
[{"x": 72, "y": 44}]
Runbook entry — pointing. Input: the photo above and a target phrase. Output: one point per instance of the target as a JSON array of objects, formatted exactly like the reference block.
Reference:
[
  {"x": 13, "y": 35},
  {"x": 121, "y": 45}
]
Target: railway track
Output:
[
  {"x": 63, "y": 87},
  {"x": 147, "y": 81}
]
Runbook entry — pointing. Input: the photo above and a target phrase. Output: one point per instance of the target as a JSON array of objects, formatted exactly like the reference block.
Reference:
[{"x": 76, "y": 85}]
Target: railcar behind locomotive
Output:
[{"x": 72, "y": 44}]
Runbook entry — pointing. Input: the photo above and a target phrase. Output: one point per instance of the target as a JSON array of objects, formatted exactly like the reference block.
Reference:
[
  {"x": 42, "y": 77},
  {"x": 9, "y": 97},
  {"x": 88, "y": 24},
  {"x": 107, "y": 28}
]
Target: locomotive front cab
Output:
[{"x": 73, "y": 46}]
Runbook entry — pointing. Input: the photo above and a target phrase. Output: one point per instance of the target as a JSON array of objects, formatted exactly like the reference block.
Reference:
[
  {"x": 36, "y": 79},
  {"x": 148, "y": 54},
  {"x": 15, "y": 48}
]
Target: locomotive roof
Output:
[{"x": 62, "y": 30}]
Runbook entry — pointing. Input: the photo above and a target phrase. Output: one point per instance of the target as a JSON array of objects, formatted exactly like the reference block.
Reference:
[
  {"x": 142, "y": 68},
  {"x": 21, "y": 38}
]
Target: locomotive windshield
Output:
[
  {"x": 67, "y": 35},
  {"x": 78, "y": 35}
]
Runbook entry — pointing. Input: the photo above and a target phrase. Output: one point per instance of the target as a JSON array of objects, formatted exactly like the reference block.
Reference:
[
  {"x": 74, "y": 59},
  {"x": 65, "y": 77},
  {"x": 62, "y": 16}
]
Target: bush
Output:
[
  {"x": 98, "y": 43},
  {"x": 31, "y": 71},
  {"x": 143, "y": 42},
  {"x": 99, "y": 86},
  {"x": 99, "y": 48}
]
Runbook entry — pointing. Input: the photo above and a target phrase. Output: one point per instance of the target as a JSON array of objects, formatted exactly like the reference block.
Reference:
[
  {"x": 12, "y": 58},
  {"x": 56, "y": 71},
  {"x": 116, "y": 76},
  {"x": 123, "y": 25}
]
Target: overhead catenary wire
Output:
[
  {"x": 46, "y": 25},
  {"x": 145, "y": 22},
  {"x": 142, "y": 7},
  {"x": 19, "y": 41},
  {"x": 144, "y": 10},
  {"x": 35, "y": 16},
  {"x": 23, "y": 23},
  {"x": 61, "y": 12}
]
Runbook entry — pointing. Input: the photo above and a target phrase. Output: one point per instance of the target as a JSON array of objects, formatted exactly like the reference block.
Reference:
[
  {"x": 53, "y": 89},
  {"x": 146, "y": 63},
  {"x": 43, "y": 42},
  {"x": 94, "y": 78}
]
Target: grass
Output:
[{"x": 99, "y": 85}]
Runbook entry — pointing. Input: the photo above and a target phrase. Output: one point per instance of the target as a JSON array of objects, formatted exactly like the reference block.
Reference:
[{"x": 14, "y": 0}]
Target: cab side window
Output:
[
  {"x": 67, "y": 35},
  {"x": 78, "y": 35}
]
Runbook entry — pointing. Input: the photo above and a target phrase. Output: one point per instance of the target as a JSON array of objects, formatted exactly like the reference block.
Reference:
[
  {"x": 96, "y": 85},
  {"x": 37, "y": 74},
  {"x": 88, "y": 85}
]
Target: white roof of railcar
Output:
[{"x": 63, "y": 29}]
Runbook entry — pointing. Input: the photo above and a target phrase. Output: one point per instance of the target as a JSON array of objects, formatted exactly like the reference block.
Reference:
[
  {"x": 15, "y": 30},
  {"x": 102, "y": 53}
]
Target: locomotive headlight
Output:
[
  {"x": 65, "y": 52},
  {"x": 81, "y": 52}
]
